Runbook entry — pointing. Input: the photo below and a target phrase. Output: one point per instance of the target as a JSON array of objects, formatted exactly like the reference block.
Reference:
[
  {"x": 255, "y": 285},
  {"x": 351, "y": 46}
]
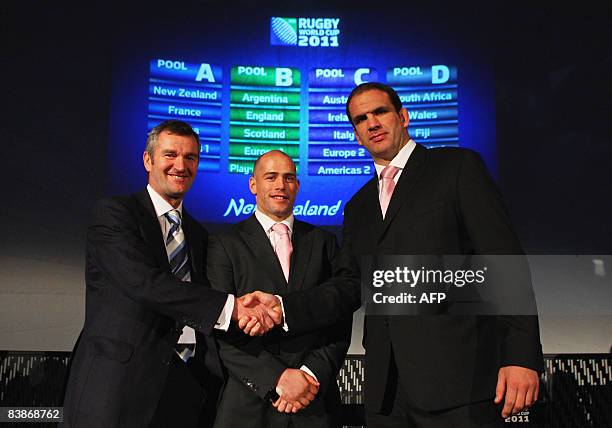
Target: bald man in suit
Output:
[{"x": 279, "y": 379}]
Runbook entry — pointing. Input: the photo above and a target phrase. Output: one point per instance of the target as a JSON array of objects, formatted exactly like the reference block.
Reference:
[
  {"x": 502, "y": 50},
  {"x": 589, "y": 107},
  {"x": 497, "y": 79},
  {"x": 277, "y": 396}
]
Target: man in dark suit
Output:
[
  {"x": 425, "y": 370},
  {"x": 271, "y": 250},
  {"x": 135, "y": 363}
]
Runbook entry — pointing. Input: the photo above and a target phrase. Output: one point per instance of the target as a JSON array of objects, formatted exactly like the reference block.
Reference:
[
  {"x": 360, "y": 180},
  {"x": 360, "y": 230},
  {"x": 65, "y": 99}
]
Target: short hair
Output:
[
  {"x": 172, "y": 126},
  {"x": 369, "y": 86},
  {"x": 261, "y": 156}
]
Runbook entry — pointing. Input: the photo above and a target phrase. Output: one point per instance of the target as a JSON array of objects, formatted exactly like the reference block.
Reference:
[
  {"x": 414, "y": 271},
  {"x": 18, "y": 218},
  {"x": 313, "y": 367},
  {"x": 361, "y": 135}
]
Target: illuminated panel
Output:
[
  {"x": 430, "y": 95},
  {"x": 264, "y": 114},
  {"x": 192, "y": 93},
  {"x": 332, "y": 148}
]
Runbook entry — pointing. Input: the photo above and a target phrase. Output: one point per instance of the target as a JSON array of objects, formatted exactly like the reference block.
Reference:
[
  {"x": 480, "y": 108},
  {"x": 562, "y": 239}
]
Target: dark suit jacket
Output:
[
  {"x": 242, "y": 260},
  {"x": 133, "y": 303},
  {"x": 444, "y": 203}
]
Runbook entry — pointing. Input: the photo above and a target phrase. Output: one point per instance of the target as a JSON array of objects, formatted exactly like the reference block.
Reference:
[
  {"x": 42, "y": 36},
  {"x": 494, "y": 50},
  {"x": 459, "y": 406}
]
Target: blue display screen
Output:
[{"x": 275, "y": 82}]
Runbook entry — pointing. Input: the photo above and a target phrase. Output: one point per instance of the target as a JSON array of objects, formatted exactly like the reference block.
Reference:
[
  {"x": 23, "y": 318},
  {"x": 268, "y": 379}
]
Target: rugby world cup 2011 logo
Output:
[{"x": 283, "y": 31}]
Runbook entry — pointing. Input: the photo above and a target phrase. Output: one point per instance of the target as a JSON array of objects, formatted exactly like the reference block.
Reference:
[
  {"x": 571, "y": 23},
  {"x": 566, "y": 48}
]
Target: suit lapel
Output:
[
  {"x": 259, "y": 244},
  {"x": 193, "y": 236},
  {"x": 406, "y": 183},
  {"x": 302, "y": 246},
  {"x": 370, "y": 208},
  {"x": 150, "y": 228}
]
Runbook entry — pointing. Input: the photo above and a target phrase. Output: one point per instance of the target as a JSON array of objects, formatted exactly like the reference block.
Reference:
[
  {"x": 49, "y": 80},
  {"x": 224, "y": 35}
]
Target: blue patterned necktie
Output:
[{"x": 176, "y": 247}]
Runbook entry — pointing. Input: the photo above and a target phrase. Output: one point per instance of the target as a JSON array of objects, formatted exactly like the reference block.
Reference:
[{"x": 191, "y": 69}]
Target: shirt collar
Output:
[
  {"x": 400, "y": 159},
  {"x": 160, "y": 204},
  {"x": 267, "y": 223}
]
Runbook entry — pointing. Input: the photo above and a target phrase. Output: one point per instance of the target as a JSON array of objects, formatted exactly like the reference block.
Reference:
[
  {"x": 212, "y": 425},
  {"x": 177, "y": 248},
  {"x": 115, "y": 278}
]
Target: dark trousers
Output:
[
  {"x": 397, "y": 411},
  {"x": 184, "y": 401}
]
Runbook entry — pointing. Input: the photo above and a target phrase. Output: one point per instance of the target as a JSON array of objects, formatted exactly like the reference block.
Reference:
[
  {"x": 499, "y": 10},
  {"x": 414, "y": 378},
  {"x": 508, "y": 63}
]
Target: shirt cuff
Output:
[
  {"x": 225, "y": 318},
  {"x": 307, "y": 370},
  {"x": 285, "y": 326}
]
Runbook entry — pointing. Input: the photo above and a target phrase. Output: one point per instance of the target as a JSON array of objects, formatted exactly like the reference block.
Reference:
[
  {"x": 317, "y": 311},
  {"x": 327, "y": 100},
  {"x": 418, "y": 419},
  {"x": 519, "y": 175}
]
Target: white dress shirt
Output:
[
  {"x": 162, "y": 207},
  {"x": 267, "y": 223},
  {"x": 399, "y": 161}
]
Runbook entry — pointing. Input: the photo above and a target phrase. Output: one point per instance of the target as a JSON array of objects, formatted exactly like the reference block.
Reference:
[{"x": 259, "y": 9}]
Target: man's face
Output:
[
  {"x": 378, "y": 127},
  {"x": 173, "y": 166},
  {"x": 275, "y": 185}
]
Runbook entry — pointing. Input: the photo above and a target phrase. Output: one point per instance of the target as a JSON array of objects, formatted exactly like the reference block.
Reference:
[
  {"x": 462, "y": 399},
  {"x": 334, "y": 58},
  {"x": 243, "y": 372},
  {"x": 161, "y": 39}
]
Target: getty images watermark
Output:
[{"x": 447, "y": 285}]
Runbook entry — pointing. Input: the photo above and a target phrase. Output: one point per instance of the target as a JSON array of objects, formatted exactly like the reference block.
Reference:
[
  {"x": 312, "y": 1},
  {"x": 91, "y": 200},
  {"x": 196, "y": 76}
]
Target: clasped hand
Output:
[
  {"x": 296, "y": 389},
  {"x": 257, "y": 313}
]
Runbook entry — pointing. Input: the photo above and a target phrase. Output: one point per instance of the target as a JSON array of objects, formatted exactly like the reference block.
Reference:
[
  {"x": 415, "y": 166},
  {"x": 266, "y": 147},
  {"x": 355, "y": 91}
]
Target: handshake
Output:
[{"x": 257, "y": 313}]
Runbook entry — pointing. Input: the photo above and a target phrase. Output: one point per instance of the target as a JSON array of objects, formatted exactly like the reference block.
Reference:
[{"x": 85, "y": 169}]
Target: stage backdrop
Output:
[{"x": 252, "y": 82}]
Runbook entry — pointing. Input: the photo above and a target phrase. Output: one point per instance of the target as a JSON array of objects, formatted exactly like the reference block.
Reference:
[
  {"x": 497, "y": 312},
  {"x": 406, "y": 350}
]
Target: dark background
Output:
[{"x": 553, "y": 85}]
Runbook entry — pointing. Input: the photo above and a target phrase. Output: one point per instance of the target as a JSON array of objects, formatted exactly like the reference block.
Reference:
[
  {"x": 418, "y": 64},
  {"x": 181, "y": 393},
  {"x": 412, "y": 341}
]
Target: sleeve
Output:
[
  {"x": 334, "y": 300},
  {"x": 118, "y": 251},
  {"x": 244, "y": 357},
  {"x": 327, "y": 360},
  {"x": 491, "y": 233}
]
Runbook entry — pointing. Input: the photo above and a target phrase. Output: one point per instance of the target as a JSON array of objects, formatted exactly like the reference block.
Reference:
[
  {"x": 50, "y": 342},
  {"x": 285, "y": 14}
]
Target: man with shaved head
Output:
[{"x": 277, "y": 379}]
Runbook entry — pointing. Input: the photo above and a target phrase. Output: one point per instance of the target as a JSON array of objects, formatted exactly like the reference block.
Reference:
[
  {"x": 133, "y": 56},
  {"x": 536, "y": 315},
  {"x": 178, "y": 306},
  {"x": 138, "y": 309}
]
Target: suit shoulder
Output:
[
  {"x": 454, "y": 161},
  {"x": 318, "y": 234},
  {"x": 115, "y": 213},
  {"x": 195, "y": 224},
  {"x": 361, "y": 193},
  {"x": 325, "y": 234},
  {"x": 311, "y": 228},
  {"x": 116, "y": 200},
  {"x": 229, "y": 232},
  {"x": 303, "y": 224},
  {"x": 453, "y": 156},
  {"x": 115, "y": 205}
]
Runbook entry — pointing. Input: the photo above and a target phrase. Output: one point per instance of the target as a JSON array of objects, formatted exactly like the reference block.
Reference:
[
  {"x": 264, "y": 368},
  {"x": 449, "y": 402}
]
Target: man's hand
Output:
[
  {"x": 520, "y": 386},
  {"x": 252, "y": 326},
  {"x": 296, "y": 389},
  {"x": 254, "y": 314}
]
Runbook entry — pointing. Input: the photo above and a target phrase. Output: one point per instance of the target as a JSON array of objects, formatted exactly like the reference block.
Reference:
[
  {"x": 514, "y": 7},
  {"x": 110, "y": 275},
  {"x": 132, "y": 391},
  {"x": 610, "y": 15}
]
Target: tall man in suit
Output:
[
  {"x": 433, "y": 371},
  {"x": 272, "y": 250},
  {"x": 135, "y": 363}
]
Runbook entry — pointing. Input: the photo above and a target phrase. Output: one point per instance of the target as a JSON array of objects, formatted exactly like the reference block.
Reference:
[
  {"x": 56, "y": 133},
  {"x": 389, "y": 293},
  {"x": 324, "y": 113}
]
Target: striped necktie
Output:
[{"x": 176, "y": 247}]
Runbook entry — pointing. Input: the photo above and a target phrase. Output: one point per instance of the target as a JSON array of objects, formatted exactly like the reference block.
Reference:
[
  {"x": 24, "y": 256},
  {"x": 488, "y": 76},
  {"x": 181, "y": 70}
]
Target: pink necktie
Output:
[
  {"x": 283, "y": 247},
  {"x": 387, "y": 185}
]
